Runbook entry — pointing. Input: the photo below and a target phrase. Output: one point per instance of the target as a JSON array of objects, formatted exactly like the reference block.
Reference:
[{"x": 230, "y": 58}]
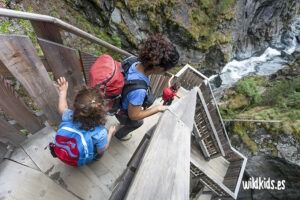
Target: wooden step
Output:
[{"x": 20, "y": 182}]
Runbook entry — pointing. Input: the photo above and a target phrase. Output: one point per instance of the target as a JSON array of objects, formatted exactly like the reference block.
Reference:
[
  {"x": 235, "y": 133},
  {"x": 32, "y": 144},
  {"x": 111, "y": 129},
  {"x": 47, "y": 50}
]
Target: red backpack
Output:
[{"x": 108, "y": 75}]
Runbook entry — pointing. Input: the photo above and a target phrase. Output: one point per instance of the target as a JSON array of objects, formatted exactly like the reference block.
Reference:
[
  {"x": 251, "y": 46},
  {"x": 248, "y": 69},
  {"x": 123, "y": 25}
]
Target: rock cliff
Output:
[{"x": 207, "y": 33}]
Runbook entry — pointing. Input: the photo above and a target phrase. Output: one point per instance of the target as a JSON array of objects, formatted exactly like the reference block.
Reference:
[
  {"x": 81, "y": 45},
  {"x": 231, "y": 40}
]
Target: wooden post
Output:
[
  {"x": 14, "y": 107},
  {"x": 64, "y": 62},
  {"x": 9, "y": 133},
  {"x": 20, "y": 57},
  {"x": 48, "y": 31}
]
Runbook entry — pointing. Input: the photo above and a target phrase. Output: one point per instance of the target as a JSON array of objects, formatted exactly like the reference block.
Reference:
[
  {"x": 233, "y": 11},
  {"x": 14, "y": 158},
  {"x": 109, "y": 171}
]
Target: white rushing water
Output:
[{"x": 267, "y": 63}]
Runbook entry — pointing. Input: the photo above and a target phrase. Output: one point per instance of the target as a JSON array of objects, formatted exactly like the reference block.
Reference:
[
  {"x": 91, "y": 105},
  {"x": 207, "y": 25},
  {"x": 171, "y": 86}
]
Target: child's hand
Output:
[
  {"x": 112, "y": 130},
  {"x": 62, "y": 84}
]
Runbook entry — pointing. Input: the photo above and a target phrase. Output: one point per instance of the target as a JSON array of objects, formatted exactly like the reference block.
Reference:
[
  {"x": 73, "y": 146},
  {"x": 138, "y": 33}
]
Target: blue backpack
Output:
[{"x": 71, "y": 146}]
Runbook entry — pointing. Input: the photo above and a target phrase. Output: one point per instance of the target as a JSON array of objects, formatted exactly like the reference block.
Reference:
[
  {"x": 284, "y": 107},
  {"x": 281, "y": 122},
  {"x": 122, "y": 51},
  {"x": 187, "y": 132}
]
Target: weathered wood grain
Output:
[
  {"x": 19, "y": 56},
  {"x": 164, "y": 171},
  {"x": 15, "y": 108},
  {"x": 47, "y": 31},
  {"x": 124, "y": 183},
  {"x": 9, "y": 133},
  {"x": 4, "y": 71},
  {"x": 20, "y": 182},
  {"x": 68, "y": 177},
  {"x": 64, "y": 62},
  {"x": 87, "y": 61}
]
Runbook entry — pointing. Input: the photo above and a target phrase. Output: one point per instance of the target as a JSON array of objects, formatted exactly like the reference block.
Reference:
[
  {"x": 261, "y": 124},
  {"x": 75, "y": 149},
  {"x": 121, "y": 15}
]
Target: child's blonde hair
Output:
[{"x": 89, "y": 108}]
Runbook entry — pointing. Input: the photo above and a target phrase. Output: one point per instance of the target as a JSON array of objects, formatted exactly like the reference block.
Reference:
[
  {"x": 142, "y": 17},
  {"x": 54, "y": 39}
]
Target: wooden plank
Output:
[
  {"x": 64, "y": 62},
  {"x": 20, "y": 182},
  {"x": 164, "y": 171},
  {"x": 15, "y": 108},
  {"x": 201, "y": 143},
  {"x": 115, "y": 170},
  {"x": 19, "y": 56},
  {"x": 77, "y": 181},
  {"x": 185, "y": 108},
  {"x": 45, "y": 63},
  {"x": 20, "y": 156},
  {"x": 211, "y": 123},
  {"x": 216, "y": 167},
  {"x": 87, "y": 61},
  {"x": 119, "y": 151},
  {"x": 47, "y": 31},
  {"x": 4, "y": 71},
  {"x": 122, "y": 187},
  {"x": 9, "y": 133}
]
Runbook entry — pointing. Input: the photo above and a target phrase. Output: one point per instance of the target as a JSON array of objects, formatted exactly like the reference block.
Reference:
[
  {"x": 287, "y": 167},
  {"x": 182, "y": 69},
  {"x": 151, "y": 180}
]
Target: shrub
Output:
[
  {"x": 283, "y": 93},
  {"x": 249, "y": 88},
  {"x": 294, "y": 100}
]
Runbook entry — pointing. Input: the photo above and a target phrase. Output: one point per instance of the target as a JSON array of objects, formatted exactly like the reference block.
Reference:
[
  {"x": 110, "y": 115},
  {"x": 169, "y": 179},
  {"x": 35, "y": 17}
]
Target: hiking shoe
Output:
[
  {"x": 98, "y": 157},
  {"x": 126, "y": 137}
]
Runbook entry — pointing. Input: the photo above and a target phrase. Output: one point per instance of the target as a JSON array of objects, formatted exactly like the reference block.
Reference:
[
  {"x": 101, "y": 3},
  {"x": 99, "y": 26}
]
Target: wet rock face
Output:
[
  {"x": 276, "y": 169},
  {"x": 98, "y": 12},
  {"x": 290, "y": 71},
  {"x": 260, "y": 23},
  {"x": 214, "y": 60}
]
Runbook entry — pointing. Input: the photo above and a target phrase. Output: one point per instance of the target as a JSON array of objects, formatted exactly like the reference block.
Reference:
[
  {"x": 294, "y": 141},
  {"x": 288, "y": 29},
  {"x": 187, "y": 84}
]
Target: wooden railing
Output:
[
  {"x": 211, "y": 136},
  {"x": 48, "y": 28},
  {"x": 19, "y": 61}
]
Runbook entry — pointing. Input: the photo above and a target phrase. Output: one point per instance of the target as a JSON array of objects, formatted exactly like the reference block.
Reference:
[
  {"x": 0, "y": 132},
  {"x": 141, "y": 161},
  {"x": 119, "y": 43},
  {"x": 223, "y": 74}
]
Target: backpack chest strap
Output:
[{"x": 133, "y": 85}]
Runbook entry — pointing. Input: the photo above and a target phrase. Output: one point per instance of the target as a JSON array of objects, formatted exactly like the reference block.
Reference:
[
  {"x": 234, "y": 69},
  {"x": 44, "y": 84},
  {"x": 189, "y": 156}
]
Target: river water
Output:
[{"x": 269, "y": 62}]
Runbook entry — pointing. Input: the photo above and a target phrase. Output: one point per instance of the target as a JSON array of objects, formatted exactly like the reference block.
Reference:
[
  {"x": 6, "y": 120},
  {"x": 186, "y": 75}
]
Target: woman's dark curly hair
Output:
[
  {"x": 89, "y": 108},
  {"x": 158, "y": 51}
]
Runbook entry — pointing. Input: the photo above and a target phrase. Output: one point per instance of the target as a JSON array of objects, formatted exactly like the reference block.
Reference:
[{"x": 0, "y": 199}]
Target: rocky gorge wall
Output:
[{"x": 207, "y": 33}]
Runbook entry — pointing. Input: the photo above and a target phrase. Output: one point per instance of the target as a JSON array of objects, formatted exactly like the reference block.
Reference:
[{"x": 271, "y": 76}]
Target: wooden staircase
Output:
[{"x": 161, "y": 150}]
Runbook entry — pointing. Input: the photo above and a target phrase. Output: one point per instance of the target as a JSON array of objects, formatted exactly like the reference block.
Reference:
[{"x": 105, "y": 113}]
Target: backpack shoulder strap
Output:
[
  {"x": 133, "y": 85},
  {"x": 128, "y": 62}
]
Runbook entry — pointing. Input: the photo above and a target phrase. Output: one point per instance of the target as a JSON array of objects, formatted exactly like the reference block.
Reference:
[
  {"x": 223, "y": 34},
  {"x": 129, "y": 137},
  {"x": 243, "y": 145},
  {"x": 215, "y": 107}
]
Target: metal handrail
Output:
[{"x": 63, "y": 25}]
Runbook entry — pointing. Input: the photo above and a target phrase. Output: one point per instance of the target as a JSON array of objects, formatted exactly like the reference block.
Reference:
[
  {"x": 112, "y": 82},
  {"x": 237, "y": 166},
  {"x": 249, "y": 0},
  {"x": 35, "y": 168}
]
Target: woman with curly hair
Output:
[
  {"x": 156, "y": 56},
  {"x": 87, "y": 118}
]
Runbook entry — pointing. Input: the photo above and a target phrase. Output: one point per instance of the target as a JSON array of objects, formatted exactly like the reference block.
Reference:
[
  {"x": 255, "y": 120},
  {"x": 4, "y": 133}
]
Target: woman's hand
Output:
[{"x": 161, "y": 108}]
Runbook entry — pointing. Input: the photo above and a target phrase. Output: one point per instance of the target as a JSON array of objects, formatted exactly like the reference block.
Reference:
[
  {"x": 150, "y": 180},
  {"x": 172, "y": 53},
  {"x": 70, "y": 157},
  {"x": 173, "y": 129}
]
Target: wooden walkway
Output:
[{"x": 32, "y": 173}]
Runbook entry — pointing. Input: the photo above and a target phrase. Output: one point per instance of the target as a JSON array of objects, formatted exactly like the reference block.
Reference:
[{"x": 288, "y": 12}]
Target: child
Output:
[
  {"x": 87, "y": 119},
  {"x": 170, "y": 92}
]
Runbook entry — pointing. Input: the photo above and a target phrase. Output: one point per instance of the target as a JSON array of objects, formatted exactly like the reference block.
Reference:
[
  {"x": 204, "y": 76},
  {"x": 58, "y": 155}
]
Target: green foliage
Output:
[
  {"x": 5, "y": 26},
  {"x": 240, "y": 130},
  {"x": 25, "y": 132},
  {"x": 30, "y": 9},
  {"x": 249, "y": 88},
  {"x": 116, "y": 40},
  {"x": 283, "y": 93},
  {"x": 226, "y": 4},
  {"x": 294, "y": 115},
  {"x": 201, "y": 27},
  {"x": 128, "y": 34},
  {"x": 293, "y": 100}
]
